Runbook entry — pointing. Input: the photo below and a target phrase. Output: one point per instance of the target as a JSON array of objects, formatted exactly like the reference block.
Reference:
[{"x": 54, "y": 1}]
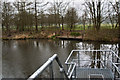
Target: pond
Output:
[{"x": 20, "y": 58}]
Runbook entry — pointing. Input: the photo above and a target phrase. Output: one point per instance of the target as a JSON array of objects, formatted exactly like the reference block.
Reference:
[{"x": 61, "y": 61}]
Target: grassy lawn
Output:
[{"x": 77, "y": 27}]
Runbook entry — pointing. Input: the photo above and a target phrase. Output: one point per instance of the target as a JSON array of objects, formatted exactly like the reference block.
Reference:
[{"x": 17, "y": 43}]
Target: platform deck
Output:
[{"x": 94, "y": 74}]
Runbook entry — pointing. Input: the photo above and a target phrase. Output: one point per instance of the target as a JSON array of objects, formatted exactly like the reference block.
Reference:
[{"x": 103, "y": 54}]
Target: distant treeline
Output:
[{"x": 22, "y": 16}]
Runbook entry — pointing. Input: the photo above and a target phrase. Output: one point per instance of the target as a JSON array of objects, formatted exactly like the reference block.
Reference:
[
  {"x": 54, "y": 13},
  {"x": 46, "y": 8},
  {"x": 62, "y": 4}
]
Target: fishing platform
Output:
[{"x": 102, "y": 65}]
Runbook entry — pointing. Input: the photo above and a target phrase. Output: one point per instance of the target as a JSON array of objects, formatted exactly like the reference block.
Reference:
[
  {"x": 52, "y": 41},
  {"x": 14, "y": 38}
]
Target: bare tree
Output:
[
  {"x": 38, "y": 4},
  {"x": 22, "y": 15},
  {"x": 54, "y": 9},
  {"x": 50, "y": 19},
  {"x": 116, "y": 13},
  {"x": 95, "y": 8},
  {"x": 7, "y": 15},
  {"x": 63, "y": 7},
  {"x": 71, "y": 17},
  {"x": 0, "y": 13},
  {"x": 41, "y": 18},
  {"x": 84, "y": 18},
  {"x": 116, "y": 8},
  {"x": 36, "y": 22},
  {"x": 58, "y": 8}
]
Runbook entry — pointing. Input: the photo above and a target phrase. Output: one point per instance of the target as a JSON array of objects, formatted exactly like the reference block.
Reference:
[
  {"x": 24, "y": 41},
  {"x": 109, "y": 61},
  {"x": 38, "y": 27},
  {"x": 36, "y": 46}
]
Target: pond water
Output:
[{"x": 20, "y": 58}]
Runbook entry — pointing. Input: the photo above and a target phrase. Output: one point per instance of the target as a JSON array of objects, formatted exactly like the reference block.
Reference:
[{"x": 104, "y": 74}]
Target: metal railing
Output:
[
  {"x": 106, "y": 59},
  {"x": 49, "y": 64},
  {"x": 71, "y": 71}
]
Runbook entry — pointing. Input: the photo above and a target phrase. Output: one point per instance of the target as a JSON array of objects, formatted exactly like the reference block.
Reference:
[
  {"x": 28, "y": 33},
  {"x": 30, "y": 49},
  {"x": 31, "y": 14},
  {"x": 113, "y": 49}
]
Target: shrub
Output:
[
  {"x": 54, "y": 36},
  {"x": 75, "y": 34}
]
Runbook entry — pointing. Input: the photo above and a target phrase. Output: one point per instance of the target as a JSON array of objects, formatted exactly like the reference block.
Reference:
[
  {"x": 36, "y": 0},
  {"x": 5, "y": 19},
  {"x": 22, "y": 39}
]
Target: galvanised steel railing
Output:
[
  {"x": 106, "y": 59},
  {"x": 49, "y": 64}
]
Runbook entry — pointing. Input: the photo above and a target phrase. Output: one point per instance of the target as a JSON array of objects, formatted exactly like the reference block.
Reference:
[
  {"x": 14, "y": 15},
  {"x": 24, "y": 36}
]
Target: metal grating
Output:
[{"x": 85, "y": 74}]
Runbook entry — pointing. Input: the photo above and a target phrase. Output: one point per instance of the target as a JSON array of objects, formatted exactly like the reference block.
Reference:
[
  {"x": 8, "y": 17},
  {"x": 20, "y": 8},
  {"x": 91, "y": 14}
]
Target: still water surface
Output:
[{"x": 20, "y": 58}]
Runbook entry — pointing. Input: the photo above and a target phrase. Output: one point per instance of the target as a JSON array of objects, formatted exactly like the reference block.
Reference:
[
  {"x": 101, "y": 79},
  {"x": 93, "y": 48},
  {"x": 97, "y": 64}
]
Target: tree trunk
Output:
[
  {"x": 8, "y": 30},
  {"x": 119, "y": 33},
  {"x": 98, "y": 21},
  {"x": 62, "y": 23},
  {"x": 116, "y": 25},
  {"x": 94, "y": 15},
  {"x": 3, "y": 28},
  {"x": 36, "y": 24}
]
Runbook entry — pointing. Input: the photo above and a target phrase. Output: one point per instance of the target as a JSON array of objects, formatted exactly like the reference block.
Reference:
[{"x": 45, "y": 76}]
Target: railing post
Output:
[
  {"x": 102, "y": 61},
  {"x": 115, "y": 73},
  {"x": 112, "y": 62},
  {"x": 93, "y": 59},
  {"x": 58, "y": 61},
  {"x": 75, "y": 71},
  {"x": 95, "y": 66},
  {"x": 118, "y": 61},
  {"x": 67, "y": 67},
  {"x": 61, "y": 72},
  {"x": 98, "y": 57},
  {"x": 51, "y": 71},
  {"x": 105, "y": 59}
]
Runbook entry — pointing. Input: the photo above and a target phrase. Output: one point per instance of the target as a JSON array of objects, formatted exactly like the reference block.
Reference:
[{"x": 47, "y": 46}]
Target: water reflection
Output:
[
  {"x": 85, "y": 57},
  {"x": 22, "y": 57}
]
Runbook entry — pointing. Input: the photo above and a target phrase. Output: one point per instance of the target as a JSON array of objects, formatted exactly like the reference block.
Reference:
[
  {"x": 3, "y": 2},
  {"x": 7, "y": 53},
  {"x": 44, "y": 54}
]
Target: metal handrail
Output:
[
  {"x": 45, "y": 65},
  {"x": 73, "y": 69},
  {"x": 116, "y": 68},
  {"x": 72, "y": 64},
  {"x": 67, "y": 62}
]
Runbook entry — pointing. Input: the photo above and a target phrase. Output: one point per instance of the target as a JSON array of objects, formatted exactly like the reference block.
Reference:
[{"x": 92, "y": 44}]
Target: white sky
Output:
[
  {"x": 56, "y": 0},
  {"x": 76, "y": 3}
]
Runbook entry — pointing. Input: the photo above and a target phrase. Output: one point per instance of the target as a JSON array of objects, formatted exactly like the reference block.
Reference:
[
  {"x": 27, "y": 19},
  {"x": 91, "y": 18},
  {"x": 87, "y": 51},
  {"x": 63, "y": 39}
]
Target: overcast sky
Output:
[
  {"x": 76, "y": 3},
  {"x": 57, "y": 0},
  {"x": 44, "y": 0}
]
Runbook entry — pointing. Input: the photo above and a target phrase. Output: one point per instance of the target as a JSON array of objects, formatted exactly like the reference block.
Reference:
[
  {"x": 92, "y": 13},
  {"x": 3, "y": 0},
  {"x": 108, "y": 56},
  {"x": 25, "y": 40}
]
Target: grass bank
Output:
[
  {"x": 110, "y": 35},
  {"x": 25, "y": 35}
]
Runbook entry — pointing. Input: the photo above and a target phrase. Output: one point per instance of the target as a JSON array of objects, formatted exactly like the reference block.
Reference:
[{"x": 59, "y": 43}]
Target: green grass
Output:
[
  {"x": 106, "y": 26},
  {"x": 77, "y": 27}
]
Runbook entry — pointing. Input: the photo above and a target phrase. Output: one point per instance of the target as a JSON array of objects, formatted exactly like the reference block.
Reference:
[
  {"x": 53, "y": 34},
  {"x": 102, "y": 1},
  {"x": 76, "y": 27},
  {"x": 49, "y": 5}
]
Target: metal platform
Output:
[
  {"x": 86, "y": 74},
  {"x": 103, "y": 65}
]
